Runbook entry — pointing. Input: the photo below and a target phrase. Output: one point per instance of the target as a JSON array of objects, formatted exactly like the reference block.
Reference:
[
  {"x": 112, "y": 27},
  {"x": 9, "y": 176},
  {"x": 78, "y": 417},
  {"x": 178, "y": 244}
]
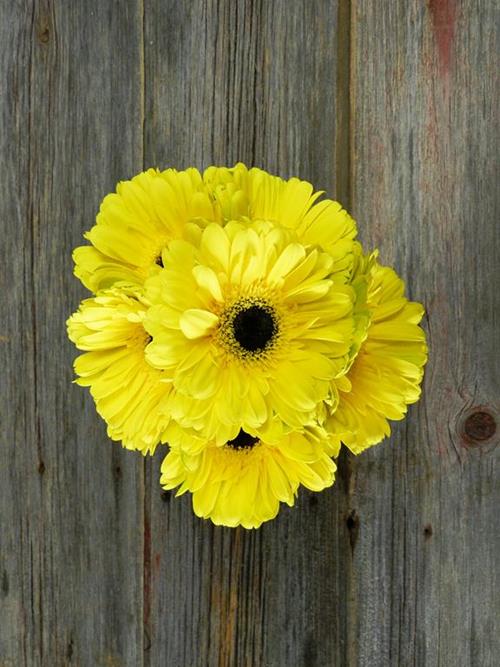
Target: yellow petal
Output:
[
  {"x": 216, "y": 244},
  {"x": 292, "y": 255},
  {"x": 207, "y": 279},
  {"x": 195, "y": 323}
]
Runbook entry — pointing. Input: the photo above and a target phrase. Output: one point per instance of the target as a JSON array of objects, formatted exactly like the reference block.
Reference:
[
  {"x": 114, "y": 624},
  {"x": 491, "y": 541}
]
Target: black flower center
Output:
[
  {"x": 254, "y": 327},
  {"x": 243, "y": 441},
  {"x": 159, "y": 260}
]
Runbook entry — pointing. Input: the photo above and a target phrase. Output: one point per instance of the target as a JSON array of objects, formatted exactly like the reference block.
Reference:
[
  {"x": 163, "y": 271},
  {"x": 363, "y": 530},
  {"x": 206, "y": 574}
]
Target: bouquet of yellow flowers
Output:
[{"x": 237, "y": 322}]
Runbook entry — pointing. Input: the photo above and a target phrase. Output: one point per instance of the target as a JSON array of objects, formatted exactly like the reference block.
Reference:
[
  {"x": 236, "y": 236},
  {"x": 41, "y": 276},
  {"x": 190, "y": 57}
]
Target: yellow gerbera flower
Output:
[
  {"x": 386, "y": 374},
  {"x": 244, "y": 481},
  {"x": 248, "y": 324},
  {"x": 135, "y": 224},
  {"x": 128, "y": 392},
  {"x": 253, "y": 194}
]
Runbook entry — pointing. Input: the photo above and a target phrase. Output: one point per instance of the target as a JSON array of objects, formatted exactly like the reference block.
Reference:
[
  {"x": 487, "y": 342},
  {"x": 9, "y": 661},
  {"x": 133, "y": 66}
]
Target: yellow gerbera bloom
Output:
[
  {"x": 128, "y": 392},
  {"x": 385, "y": 375},
  {"x": 135, "y": 224},
  {"x": 252, "y": 194},
  {"x": 244, "y": 481},
  {"x": 248, "y": 324}
]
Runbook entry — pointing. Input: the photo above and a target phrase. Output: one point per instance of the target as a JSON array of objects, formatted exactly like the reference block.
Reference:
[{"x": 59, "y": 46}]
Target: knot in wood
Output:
[
  {"x": 43, "y": 29},
  {"x": 480, "y": 426}
]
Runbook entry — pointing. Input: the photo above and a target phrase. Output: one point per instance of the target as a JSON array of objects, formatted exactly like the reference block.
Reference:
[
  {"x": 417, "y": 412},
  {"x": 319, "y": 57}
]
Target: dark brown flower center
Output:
[
  {"x": 243, "y": 441},
  {"x": 254, "y": 328}
]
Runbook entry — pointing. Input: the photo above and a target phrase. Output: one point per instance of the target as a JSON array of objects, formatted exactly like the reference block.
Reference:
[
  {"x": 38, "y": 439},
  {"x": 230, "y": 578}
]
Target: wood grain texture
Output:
[
  {"x": 424, "y": 107},
  {"x": 71, "y": 503},
  {"x": 389, "y": 105}
]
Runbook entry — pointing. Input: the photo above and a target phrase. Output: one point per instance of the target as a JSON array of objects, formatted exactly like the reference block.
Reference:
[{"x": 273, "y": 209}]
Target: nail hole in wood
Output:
[
  {"x": 352, "y": 523},
  {"x": 428, "y": 531}
]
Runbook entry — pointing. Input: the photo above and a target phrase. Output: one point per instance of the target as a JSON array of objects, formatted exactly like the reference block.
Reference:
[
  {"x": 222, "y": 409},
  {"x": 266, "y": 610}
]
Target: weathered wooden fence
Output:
[{"x": 388, "y": 105}]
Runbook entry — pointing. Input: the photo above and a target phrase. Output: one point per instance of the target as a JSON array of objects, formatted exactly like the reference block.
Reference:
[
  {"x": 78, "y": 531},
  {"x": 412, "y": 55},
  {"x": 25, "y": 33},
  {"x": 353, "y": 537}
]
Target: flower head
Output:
[
  {"x": 250, "y": 195},
  {"x": 128, "y": 392},
  {"x": 243, "y": 481},
  {"x": 386, "y": 374},
  {"x": 248, "y": 325},
  {"x": 135, "y": 224}
]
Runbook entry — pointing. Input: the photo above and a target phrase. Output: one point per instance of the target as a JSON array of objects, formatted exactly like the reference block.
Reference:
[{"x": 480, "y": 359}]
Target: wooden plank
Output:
[
  {"x": 426, "y": 571},
  {"x": 71, "y": 502},
  {"x": 249, "y": 81}
]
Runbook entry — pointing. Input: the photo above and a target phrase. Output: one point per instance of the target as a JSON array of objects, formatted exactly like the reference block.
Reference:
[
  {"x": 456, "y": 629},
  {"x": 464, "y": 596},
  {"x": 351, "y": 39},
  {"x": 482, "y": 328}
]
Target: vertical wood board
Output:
[
  {"x": 252, "y": 82},
  {"x": 71, "y": 502},
  {"x": 423, "y": 110}
]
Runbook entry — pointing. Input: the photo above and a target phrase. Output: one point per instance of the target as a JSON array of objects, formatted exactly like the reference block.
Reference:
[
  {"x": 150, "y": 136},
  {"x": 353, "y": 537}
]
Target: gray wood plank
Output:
[
  {"x": 250, "y": 81},
  {"x": 70, "y": 501},
  {"x": 426, "y": 576}
]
